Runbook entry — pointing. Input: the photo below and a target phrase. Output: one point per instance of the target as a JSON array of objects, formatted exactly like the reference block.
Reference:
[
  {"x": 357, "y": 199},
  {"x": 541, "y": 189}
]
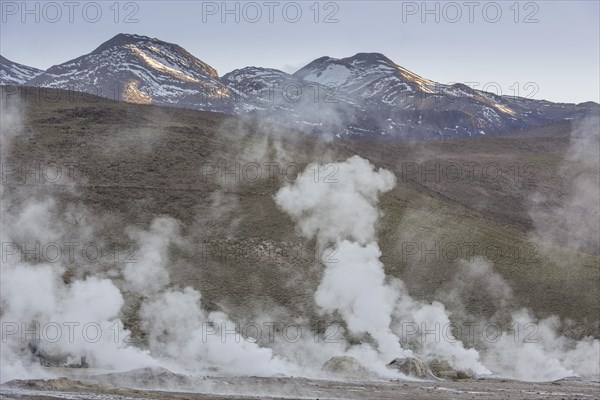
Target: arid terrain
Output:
[{"x": 239, "y": 388}]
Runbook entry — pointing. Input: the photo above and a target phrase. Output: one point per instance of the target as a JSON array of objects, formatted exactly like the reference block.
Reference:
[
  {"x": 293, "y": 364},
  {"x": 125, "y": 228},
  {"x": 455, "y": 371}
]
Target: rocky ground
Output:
[{"x": 300, "y": 388}]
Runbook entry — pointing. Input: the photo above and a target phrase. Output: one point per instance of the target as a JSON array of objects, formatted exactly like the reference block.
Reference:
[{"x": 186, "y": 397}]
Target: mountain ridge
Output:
[
  {"x": 366, "y": 94},
  {"x": 14, "y": 73}
]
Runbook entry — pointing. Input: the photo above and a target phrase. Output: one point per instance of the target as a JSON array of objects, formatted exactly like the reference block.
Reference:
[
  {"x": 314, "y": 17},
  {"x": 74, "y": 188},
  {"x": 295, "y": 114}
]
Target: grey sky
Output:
[{"x": 559, "y": 53}]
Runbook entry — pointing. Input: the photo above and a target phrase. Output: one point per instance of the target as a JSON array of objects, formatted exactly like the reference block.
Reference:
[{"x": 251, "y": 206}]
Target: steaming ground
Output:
[
  {"x": 295, "y": 388},
  {"x": 199, "y": 255}
]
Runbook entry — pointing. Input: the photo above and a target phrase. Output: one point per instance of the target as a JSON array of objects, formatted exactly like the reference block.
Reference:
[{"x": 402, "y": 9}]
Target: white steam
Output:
[
  {"x": 178, "y": 332},
  {"x": 69, "y": 320},
  {"x": 354, "y": 284},
  {"x": 148, "y": 274},
  {"x": 345, "y": 213},
  {"x": 572, "y": 219},
  {"x": 524, "y": 347}
]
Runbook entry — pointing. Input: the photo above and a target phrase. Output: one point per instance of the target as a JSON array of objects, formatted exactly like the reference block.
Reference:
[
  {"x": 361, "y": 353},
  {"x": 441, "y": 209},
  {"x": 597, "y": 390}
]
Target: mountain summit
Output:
[
  {"x": 140, "y": 69},
  {"x": 360, "y": 70},
  {"x": 367, "y": 76}
]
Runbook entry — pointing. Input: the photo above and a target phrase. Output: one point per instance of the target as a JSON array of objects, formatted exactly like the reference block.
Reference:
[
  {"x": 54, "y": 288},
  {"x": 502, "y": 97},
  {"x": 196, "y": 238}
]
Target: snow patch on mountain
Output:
[
  {"x": 141, "y": 69},
  {"x": 12, "y": 73}
]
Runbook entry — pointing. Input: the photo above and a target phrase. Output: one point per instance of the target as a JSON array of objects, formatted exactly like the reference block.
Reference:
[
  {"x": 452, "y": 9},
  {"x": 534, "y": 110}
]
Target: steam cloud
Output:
[
  {"x": 180, "y": 334},
  {"x": 355, "y": 286},
  {"x": 573, "y": 218}
]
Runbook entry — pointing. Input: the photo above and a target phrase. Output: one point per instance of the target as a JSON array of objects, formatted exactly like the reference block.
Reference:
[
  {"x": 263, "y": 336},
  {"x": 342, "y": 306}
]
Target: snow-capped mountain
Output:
[
  {"x": 392, "y": 100},
  {"x": 364, "y": 95},
  {"x": 12, "y": 73},
  {"x": 277, "y": 96},
  {"x": 261, "y": 89},
  {"x": 366, "y": 76},
  {"x": 140, "y": 69}
]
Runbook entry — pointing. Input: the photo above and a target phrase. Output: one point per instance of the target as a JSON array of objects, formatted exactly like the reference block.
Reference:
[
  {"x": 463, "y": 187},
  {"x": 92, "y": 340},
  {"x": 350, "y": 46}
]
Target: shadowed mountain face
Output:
[
  {"x": 366, "y": 95},
  {"x": 12, "y": 73}
]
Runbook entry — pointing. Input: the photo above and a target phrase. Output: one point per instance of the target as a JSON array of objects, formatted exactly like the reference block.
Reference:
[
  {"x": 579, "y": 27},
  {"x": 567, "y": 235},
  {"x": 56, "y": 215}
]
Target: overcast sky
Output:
[{"x": 500, "y": 46}]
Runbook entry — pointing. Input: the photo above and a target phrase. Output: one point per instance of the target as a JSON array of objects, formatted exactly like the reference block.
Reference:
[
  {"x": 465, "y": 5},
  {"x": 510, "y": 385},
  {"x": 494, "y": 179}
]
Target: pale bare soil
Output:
[{"x": 298, "y": 388}]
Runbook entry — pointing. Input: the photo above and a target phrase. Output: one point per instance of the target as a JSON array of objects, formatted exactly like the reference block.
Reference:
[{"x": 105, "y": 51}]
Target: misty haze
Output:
[{"x": 300, "y": 200}]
